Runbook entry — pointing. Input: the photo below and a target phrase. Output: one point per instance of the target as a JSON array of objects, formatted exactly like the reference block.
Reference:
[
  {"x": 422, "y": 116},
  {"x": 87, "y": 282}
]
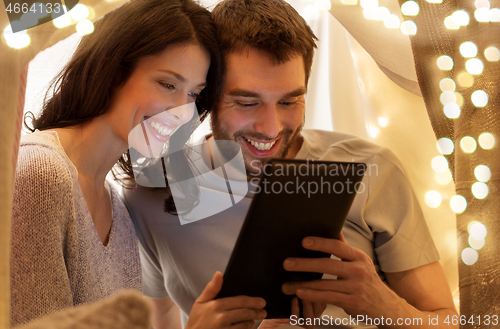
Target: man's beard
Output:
[{"x": 254, "y": 166}]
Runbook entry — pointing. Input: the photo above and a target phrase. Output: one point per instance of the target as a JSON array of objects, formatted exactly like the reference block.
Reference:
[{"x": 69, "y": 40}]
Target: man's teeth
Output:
[
  {"x": 162, "y": 130},
  {"x": 261, "y": 146}
]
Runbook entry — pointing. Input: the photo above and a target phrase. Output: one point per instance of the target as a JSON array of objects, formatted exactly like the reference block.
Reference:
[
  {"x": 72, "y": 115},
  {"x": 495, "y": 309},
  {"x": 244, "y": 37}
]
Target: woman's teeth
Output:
[
  {"x": 162, "y": 130},
  {"x": 261, "y": 146}
]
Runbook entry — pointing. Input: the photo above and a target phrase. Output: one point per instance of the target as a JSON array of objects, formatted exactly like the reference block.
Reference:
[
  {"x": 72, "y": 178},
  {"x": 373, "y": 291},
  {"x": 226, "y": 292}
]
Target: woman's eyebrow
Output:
[{"x": 180, "y": 77}]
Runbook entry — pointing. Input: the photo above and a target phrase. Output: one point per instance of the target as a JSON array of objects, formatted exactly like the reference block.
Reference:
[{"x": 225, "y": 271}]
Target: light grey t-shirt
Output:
[{"x": 385, "y": 221}]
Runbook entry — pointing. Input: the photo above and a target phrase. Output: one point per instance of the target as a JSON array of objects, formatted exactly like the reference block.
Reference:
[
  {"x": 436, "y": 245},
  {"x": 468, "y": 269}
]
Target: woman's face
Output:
[{"x": 158, "y": 97}]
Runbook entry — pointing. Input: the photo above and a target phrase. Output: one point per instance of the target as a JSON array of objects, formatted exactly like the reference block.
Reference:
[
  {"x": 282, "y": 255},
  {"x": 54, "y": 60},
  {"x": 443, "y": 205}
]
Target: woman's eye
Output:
[
  {"x": 193, "y": 96},
  {"x": 167, "y": 85}
]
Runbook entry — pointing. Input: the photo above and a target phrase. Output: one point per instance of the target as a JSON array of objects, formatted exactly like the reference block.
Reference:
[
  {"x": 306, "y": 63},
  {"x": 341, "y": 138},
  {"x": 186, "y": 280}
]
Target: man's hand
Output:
[
  {"x": 359, "y": 290},
  {"x": 232, "y": 312},
  {"x": 310, "y": 310}
]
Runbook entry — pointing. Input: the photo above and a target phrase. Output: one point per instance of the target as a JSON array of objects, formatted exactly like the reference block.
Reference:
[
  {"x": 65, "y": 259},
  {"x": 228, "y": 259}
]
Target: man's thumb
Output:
[{"x": 212, "y": 289}]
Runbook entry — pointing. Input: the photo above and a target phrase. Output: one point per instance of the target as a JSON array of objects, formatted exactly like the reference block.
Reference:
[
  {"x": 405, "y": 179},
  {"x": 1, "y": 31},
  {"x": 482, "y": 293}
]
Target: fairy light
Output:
[
  {"x": 476, "y": 244},
  {"x": 410, "y": 8},
  {"x": 477, "y": 230},
  {"x": 439, "y": 163},
  {"x": 381, "y": 13},
  {"x": 480, "y": 190},
  {"x": 445, "y": 63},
  {"x": 470, "y": 256},
  {"x": 452, "y": 110},
  {"x": 445, "y": 145},
  {"x": 84, "y": 27},
  {"x": 460, "y": 17},
  {"x": 369, "y": 4},
  {"x": 460, "y": 99},
  {"x": 479, "y": 98},
  {"x": 448, "y": 97},
  {"x": 482, "y": 15},
  {"x": 458, "y": 204},
  {"x": 468, "y": 144},
  {"x": 349, "y": 2},
  {"x": 492, "y": 54},
  {"x": 433, "y": 199},
  {"x": 447, "y": 85},
  {"x": 487, "y": 141},
  {"x": 495, "y": 15},
  {"x": 383, "y": 122},
  {"x": 468, "y": 49},
  {"x": 63, "y": 20},
  {"x": 79, "y": 12},
  {"x": 409, "y": 28},
  {"x": 434, "y": 1},
  {"x": 465, "y": 79},
  {"x": 444, "y": 177},
  {"x": 474, "y": 66},
  {"x": 482, "y": 4},
  {"x": 16, "y": 40},
  {"x": 450, "y": 25},
  {"x": 370, "y": 13},
  {"x": 392, "y": 21},
  {"x": 482, "y": 173}
]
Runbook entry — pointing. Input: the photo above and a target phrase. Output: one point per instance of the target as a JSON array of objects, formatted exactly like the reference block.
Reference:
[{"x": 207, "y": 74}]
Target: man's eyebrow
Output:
[
  {"x": 247, "y": 93},
  {"x": 180, "y": 77}
]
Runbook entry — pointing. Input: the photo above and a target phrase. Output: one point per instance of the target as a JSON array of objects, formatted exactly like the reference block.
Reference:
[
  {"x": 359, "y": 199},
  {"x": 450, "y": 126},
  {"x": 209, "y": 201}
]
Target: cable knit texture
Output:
[{"x": 57, "y": 258}]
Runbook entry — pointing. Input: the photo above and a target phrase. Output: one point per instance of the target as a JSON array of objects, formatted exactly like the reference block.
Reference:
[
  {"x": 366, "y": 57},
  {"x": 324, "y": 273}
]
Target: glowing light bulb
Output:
[
  {"x": 392, "y": 21},
  {"x": 447, "y": 85},
  {"x": 16, "y": 40},
  {"x": 450, "y": 25},
  {"x": 468, "y": 49},
  {"x": 62, "y": 21},
  {"x": 409, "y": 28},
  {"x": 445, "y": 145},
  {"x": 480, "y": 190},
  {"x": 479, "y": 98},
  {"x": 492, "y": 54},
  {"x": 452, "y": 110},
  {"x": 465, "y": 80},
  {"x": 458, "y": 204},
  {"x": 487, "y": 141},
  {"x": 383, "y": 122},
  {"x": 482, "y": 4},
  {"x": 468, "y": 144},
  {"x": 439, "y": 163},
  {"x": 410, "y": 8},
  {"x": 445, "y": 63},
  {"x": 448, "y": 97},
  {"x": 460, "y": 17},
  {"x": 433, "y": 199},
  {"x": 79, "y": 12},
  {"x": 482, "y": 173},
  {"x": 495, "y": 15},
  {"x": 477, "y": 230},
  {"x": 482, "y": 15},
  {"x": 470, "y": 256},
  {"x": 474, "y": 66},
  {"x": 476, "y": 244},
  {"x": 84, "y": 27}
]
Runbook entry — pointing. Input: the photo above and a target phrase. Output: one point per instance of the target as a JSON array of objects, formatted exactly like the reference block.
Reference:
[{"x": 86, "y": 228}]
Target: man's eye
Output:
[
  {"x": 246, "y": 104},
  {"x": 288, "y": 103}
]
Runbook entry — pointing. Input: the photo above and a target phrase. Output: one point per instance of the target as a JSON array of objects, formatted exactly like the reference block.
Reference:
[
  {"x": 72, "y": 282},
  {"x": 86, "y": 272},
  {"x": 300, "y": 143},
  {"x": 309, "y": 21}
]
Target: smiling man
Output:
[{"x": 387, "y": 268}]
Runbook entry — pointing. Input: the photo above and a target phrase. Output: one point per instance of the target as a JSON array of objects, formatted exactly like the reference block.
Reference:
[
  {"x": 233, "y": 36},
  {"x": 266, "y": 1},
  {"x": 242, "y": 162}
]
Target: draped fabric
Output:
[{"x": 479, "y": 283}]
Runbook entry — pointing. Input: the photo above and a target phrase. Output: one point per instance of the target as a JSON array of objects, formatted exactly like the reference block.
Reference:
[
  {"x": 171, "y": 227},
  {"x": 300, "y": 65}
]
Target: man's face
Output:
[{"x": 262, "y": 106}]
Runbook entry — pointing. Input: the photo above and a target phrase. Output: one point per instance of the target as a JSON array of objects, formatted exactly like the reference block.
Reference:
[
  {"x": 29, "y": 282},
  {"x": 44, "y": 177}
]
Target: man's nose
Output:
[{"x": 269, "y": 121}]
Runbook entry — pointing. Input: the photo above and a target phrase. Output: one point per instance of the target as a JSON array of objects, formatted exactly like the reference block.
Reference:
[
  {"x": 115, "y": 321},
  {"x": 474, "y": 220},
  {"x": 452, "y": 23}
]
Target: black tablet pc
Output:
[{"x": 294, "y": 199}]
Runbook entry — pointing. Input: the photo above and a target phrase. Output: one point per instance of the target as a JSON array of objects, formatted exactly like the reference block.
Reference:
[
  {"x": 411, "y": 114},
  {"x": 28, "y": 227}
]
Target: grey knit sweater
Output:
[{"x": 57, "y": 258}]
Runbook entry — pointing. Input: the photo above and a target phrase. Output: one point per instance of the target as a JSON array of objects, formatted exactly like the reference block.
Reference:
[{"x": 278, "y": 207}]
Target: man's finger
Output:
[
  {"x": 238, "y": 302},
  {"x": 212, "y": 289},
  {"x": 317, "y": 265},
  {"x": 290, "y": 288},
  {"x": 335, "y": 247}
]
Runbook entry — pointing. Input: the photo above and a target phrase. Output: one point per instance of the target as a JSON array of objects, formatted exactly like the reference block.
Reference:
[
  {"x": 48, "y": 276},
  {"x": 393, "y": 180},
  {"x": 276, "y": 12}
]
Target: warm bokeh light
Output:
[
  {"x": 458, "y": 204},
  {"x": 433, "y": 199},
  {"x": 448, "y": 97},
  {"x": 482, "y": 4},
  {"x": 16, "y": 40},
  {"x": 445, "y": 145},
  {"x": 444, "y": 177},
  {"x": 487, "y": 141},
  {"x": 84, "y": 27},
  {"x": 371, "y": 13},
  {"x": 409, "y": 28},
  {"x": 79, "y": 12},
  {"x": 492, "y": 54},
  {"x": 450, "y": 25},
  {"x": 465, "y": 80},
  {"x": 447, "y": 84},
  {"x": 445, "y": 63},
  {"x": 349, "y": 2},
  {"x": 480, "y": 190},
  {"x": 479, "y": 98},
  {"x": 495, "y": 15},
  {"x": 460, "y": 99},
  {"x": 468, "y": 49},
  {"x": 482, "y": 15},
  {"x": 369, "y": 3},
  {"x": 477, "y": 230},
  {"x": 439, "y": 163},
  {"x": 381, "y": 13},
  {"x": 323, "y": 4},
  {"x": 373, "y": 131},
  {"x": 452, "y": 110},
  {"x": 62, "y": 21},
  {"x": 383, "y": 122},
  {"x": 476, "y": 244},
  {"x": 460, "y": 17},
  {"x": 434, "y": 1},
  {"x": 392, "y": 21},
  {"x": 474, "y": 66},
  {"x": 468, "y": 144},
  {"x": 310, "y": 13},
  {"x": 482, "y": 173},
  {"x": 470, "y": 256},
  {"x": 410, "y": 8}
]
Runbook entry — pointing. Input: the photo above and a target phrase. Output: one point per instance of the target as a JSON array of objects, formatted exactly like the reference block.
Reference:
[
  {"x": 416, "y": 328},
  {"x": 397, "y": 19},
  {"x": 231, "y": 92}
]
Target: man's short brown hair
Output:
[{"x": 273, "y": 26}]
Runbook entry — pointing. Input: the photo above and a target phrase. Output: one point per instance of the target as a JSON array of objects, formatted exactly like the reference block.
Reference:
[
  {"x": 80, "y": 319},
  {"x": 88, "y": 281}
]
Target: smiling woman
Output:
[{"x": 72, "y": 238}]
